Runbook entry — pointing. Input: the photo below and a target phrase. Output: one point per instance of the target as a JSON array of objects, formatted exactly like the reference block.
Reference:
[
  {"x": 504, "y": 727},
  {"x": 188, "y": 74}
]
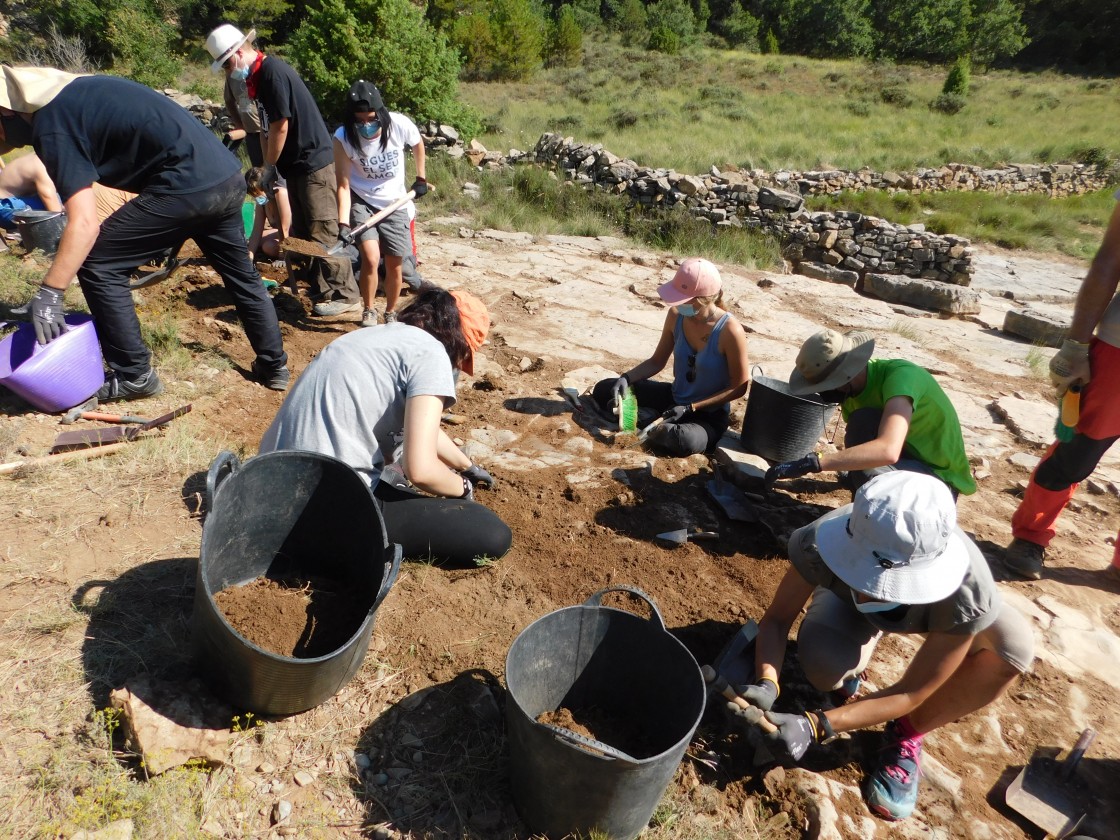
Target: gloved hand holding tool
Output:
[
  {"x": 419, "y": 186},
  {"x": 478, "y": 477},
  {"x": 47, "y": 314},
  {"x": 269, "y": 177},
  {"x": 762, "y": 694},
  {"x": 811, "y": 463},
  {"x": 674, "y": 414},
  {"x": 795, "y": 733},
  {"x": 345, "y": 235},
  {"x": 619, "y": 389},
  {"x": 1070, "y": 365}
]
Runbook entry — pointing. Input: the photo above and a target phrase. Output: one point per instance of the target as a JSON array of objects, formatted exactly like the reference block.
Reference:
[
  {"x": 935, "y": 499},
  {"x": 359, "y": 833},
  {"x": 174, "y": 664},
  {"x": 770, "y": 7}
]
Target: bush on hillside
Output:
[
  {"x": 415, "y": 68},
  {"x": 667, "y": 18},
  {"x": 664, "y": 40},
  {"x": 948, "y": 103},
  {"x": 501, "y": 40},
  {"x": 143, "y": 46},
  {"x": 960, "y": 74},
  {"x": 565, "y": 39},
  {"x": 740, "y": 29},
  {"x": 632, "y": 23},
  {"x": 768, "y": 44}
]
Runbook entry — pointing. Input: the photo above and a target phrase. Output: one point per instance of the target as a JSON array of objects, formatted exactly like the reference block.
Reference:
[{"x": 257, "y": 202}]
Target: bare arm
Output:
[
  {"x": 773, "y": 631},
  {"x": 936, "y": 660},
  {"x": 1100, "y": 283},
  {"x": 418, "y": 152},
  {"x": 421, "y": 459},
  {"x": 451, "y": 455},
  {"x": 342, "y": 178},
  {"x": 45, "y": 188},
  {"x": 733, "y": 346},
  {"x": 277, "y": 136},
  {"x": 886, "y": 449},
  {"x": 656, "y": 363},
  {"x": 77, "y": 239}
]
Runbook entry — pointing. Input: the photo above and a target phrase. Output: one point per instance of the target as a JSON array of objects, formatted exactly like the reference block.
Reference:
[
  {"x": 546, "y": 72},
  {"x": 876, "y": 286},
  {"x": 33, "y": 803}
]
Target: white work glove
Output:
[{"x": 1070, "y": 366}]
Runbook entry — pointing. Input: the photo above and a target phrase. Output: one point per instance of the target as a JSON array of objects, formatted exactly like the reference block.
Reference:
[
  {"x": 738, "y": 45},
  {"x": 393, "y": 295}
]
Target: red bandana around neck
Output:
[{"x": 251, "y": 82}]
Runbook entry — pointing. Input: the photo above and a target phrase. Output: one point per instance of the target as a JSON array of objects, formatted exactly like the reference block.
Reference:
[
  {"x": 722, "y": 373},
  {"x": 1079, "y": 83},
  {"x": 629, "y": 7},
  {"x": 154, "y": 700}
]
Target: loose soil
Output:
[
  {"x": 301, "y": 618},
  {"x": 601, "y": 726},
  {"x": 303, "y": 246},
  {"x": 98, "y": 566}
]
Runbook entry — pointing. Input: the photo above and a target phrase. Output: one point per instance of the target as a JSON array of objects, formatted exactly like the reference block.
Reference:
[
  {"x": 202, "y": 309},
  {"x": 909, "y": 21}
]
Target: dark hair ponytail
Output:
[{"x": 435, "y": 311}]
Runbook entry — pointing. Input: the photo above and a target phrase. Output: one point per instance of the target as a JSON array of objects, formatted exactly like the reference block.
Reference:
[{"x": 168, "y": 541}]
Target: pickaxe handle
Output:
[
  {"x": 720, "y": 684},
  {"x": 373, "y": 220}
]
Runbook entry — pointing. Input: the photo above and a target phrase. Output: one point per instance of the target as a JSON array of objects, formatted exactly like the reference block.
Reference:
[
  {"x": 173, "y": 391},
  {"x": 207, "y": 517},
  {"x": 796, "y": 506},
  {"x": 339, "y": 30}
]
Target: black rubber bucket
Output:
[
  {"x": 277, "y": 515},
  {"x": 623, "y": 666},
  {"x": 40, "y": 229},
  {"x": 780, "y": 426}
]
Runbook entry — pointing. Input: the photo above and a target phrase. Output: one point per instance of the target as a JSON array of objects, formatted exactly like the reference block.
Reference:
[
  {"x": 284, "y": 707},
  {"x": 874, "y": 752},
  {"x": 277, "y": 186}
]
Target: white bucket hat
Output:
[
  {"x": 900, "y": 543},
  {"x": 829, "y": 359},
  {"x": 224, "y": 42},
  {"x": 27, "y": 89}
]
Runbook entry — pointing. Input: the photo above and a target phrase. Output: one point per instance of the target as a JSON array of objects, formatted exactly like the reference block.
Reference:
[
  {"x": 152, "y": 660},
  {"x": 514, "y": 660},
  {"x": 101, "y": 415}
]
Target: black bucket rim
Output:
[
  {"x": 34, "y": 217},
  {"x": 762, "y": 381},
  {"x": 658, "y": 623},
  {"x": 228, "y": 459}
]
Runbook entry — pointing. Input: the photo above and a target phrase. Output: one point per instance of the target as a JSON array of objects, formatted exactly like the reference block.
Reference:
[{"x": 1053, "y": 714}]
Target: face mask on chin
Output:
[
  {"x": 867, "y": 607},
  {"x": 17, "y": 131},
  {"x": 239, "y": 74},
  {"x": 686, "y": 309}
]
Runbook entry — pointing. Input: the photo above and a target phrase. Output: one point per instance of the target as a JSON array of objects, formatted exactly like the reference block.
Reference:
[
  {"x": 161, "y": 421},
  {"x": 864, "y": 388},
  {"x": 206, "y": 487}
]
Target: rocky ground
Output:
[{"x": 97, "y": 572}]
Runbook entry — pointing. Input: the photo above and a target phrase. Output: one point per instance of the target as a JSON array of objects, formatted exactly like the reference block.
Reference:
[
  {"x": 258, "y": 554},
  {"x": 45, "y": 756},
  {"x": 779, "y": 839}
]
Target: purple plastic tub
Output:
[{"x": 56, "y": 376}]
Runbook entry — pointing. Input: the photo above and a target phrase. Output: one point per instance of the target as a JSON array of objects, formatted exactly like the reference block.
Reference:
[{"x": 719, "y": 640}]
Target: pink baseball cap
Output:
[{"x": 695, "y": 278}]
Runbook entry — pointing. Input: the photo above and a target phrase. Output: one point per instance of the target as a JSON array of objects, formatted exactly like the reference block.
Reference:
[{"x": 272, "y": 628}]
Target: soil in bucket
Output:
[
  {"x": 298, "y": 617},
  {"x": 601, "y": 726}
]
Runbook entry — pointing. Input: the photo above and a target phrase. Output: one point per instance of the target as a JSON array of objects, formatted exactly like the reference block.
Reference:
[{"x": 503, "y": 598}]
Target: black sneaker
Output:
[
  {"x": 116, "y": 388},
  {"x": 1024, "y": 558},
  {"x": 276, "y": 379}
]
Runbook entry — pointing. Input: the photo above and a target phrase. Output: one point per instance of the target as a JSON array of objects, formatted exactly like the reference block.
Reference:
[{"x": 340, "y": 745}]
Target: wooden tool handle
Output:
[
  {"x": 720, "y": 684},
  {"x": 76, "y": 455}
]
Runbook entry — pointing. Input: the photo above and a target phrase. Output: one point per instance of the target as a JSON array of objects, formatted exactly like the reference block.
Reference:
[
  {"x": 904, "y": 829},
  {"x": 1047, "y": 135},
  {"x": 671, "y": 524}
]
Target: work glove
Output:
[
  {"x": 794, "y": 469},
  {"x": 1070, "y": 365},
  {"x": 479, "y": 477},
  {"x": 468, "y": 490},
  {"x": 345, "y": 235},
  {"x": 47, "y": 315},
  {"x": 674, "y": 414},
  {"x": 420, "y": 187},
  {"x": 794, "y": 736},
  {"x": 269, "y": 177},
  {"x": 620, "y": 387},
  {"x": 761, "y": 695}
]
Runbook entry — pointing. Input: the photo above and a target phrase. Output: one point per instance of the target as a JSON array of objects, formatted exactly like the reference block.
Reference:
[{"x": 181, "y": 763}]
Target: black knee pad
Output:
[{"x": 1071, "y": 462}]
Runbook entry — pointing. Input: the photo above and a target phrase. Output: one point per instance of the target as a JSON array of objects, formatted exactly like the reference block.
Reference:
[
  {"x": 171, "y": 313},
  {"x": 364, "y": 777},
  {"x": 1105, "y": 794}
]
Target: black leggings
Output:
[
  {"x": 863, "y": 427},
  {"x": 698, "y": 431},
  {"x": 451, "y": 531}
]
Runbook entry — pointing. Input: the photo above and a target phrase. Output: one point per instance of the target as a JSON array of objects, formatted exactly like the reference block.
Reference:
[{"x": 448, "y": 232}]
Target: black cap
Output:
[{"x": 364, "y": 97}]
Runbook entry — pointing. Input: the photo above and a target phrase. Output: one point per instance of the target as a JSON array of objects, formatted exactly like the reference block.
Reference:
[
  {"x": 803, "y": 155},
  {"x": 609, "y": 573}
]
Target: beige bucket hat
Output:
[
  {"x": 27, "y": 89},
  {"x": 830, "y": 359}
]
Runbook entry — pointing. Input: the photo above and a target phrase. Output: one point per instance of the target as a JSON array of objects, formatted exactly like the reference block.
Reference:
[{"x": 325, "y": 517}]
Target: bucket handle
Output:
[
  {"x": 583, "y": 743},
  {"x": 757, "y": 367},
  {"x": 389, "y": 576},
  {"x": 226, "y": 462},
  {"x": 596, "y": 600}
]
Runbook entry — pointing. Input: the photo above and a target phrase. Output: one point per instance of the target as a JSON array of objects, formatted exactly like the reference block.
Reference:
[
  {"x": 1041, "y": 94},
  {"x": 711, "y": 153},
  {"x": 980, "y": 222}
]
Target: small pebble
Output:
[
  {"x": 417, "y": 757},
  {"x": 265, "y": 769},
  {"x": 379, "y": 778},
  {"x": 303, "y": 778},
  {"x": 362, "y": 760},
  {"x": 281, "y": 811}
]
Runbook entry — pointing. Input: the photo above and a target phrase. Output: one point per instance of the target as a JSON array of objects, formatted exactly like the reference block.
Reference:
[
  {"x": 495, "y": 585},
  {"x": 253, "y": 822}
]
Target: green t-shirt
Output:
[{"x": 934, "y": 437}]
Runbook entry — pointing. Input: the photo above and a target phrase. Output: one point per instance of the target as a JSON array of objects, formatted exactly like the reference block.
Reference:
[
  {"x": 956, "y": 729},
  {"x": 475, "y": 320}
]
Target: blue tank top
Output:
[{"x": 709, "y": 364}]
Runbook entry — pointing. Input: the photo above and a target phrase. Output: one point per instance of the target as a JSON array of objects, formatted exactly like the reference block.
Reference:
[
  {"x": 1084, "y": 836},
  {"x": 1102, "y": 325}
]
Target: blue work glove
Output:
[
  {"x": 420, "y": 187},
  {"x": 794, "y": 736},
  {"x": 794, "y": 469},
  {"x": 47, "y": 314},
  {"x": 479, "y": 477},
  {"x": 761, "y": 695},
  {"x": 674, "y": 414}
]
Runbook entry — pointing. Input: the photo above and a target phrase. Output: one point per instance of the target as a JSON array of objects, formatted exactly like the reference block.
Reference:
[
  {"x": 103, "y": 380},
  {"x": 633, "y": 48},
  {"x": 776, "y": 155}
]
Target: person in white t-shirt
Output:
[{"x": 369, "y": 164}]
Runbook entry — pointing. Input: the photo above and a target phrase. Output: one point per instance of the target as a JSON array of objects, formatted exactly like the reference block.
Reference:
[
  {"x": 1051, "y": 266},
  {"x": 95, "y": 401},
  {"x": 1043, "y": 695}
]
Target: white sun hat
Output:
[
  {"x": 900, "y": 543},
  {"x": 224, "y": 42}
]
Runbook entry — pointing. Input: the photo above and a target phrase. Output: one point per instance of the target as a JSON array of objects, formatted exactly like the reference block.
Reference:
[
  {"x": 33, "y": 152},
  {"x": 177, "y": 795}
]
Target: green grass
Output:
[
  {"x": 1071, "y": 225},
  {"x": 718, "y": 107}
]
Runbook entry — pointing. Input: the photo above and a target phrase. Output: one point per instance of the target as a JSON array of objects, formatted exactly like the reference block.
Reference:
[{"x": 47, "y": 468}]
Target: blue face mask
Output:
[
  {"x": 369, "y": 130},
  {"x": 261, "y": 199},
  {"x": 866, "y": 607},
  {"x": 686, "y": 309},
  {"x": 239, "y": 74}
]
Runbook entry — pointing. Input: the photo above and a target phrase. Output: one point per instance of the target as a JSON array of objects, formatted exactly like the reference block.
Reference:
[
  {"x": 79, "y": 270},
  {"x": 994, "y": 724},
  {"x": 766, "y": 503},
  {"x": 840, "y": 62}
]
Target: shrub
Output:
[
  {"x": 769, "y": 43},
  {"x": 740, "y": 28},
  {"x": 665, "y": 40},
  {"x": 670, "y": 16},
  {"x": 960, "y": 74},
  {"x": 895, "y": 93},
  {"x": 142, "y": 46},
  {"x": 631, "y": 22},
  {"x": 565, "y": 39},
  {"x": 948, "y": 103},
  {"x": 501, "y": 39}
]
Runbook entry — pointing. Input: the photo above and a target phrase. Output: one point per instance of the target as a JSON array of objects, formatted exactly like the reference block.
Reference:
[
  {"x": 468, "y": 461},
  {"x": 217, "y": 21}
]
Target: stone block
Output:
[
  {"x": 923, "y": 294},
  {"x": 1036, "y": 327},
  {"x": 827, "y": 272},
  {"x": 768, "y": 197}
]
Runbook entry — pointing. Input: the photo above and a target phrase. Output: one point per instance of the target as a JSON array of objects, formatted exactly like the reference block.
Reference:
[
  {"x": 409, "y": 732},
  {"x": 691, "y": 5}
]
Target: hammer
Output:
[
  {"x": 752, "y": 714},
  {"x": 77, "y": 414}
]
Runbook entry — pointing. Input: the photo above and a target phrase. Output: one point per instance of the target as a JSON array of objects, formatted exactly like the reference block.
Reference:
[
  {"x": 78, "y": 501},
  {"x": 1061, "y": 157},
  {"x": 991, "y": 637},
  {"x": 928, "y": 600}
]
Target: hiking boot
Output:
[
  {"x": 390, "y": 316},
  {"x": 369, "y": 318},
  {"x": 329, "y": 309},
  {"x": 892, "y": 790},
  {"x": 1024, "y": 558},
  {"x": 276, "y": 379},
  {"x": 116, "y": 388}
]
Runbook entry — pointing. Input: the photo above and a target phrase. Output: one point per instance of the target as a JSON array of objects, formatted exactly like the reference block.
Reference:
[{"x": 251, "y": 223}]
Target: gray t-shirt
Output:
[
  {"x": 969, "y": 610},
  {"x": 350, "y": 399}
]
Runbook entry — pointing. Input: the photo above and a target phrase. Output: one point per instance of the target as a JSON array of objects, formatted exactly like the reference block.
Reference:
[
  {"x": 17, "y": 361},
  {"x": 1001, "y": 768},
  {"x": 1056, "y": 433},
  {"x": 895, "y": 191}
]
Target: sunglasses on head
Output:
[{"x": 691, "y": 375}]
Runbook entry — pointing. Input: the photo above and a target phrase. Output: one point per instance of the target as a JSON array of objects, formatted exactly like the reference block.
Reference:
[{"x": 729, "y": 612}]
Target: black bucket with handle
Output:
[
  {"x": 780, "y": 426},
  {"x": 620, "y": 667},
  {"x": 40, "y": 229},
  {"x": 284, "y": 515}
]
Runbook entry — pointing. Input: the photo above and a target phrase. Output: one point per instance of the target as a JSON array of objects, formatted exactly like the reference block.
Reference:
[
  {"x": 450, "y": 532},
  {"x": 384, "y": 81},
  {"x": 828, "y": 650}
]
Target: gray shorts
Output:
[
  {"x": 836, "y": 642},
  {"x": 392, "y": 232}
]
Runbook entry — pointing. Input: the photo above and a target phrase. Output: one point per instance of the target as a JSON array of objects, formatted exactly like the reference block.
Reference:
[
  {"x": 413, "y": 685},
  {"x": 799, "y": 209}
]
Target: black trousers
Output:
[
  {"x": 863, "y": 427},
  {"x": 452, "y": 531},
  {"x": 698, "y": 431},
  {"x": 141, "y": 231}
]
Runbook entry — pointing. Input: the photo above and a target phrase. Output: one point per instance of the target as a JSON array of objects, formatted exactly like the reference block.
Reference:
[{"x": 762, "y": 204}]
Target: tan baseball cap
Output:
[{"x": 829, "y": 359}]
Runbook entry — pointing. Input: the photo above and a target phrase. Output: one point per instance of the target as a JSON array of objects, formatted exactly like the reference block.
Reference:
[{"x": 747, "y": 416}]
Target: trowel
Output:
[
  {"x": 683, "y": 535},
  {"x": 1048, "y": 795}
]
